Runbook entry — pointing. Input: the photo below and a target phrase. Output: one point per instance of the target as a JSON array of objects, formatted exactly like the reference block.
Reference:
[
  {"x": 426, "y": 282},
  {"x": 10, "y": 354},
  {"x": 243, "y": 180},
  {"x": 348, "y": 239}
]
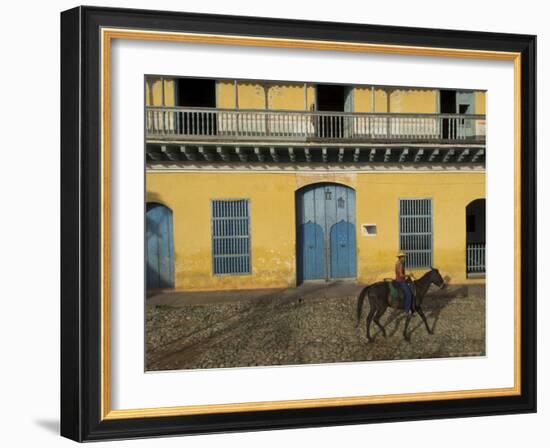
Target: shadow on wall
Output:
[{"x": 154, "y": 197}]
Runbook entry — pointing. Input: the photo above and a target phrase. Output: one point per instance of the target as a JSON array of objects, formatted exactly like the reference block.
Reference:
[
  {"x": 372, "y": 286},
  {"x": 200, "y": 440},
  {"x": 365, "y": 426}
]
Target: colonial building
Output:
[{"x": 255, "y": 184}]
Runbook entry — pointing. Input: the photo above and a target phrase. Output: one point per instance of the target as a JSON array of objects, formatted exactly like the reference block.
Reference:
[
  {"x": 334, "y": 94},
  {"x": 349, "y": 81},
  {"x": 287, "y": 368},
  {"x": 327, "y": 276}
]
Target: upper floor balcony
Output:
[{"x": 186, "y": 124}]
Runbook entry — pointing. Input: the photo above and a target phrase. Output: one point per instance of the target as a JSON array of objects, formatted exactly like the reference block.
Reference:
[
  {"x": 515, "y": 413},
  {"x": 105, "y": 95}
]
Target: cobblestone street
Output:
[{"x": 315, "y": 323}]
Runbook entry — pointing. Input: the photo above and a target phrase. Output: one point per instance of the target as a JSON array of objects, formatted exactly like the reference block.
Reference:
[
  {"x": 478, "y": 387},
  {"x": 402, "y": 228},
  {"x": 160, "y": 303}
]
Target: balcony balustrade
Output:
[{"x": 182, "y": 123}]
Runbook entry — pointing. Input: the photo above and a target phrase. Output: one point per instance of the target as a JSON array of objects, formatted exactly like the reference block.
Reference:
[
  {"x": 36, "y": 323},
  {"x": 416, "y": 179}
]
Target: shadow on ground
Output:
[{"x": 315, "y": 324}]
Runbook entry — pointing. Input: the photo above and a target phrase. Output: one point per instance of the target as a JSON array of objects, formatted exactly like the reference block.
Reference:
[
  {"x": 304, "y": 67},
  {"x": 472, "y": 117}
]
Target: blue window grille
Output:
[
  {"x": 415, "y": 232},
  {"x": 231, "y": 236}
]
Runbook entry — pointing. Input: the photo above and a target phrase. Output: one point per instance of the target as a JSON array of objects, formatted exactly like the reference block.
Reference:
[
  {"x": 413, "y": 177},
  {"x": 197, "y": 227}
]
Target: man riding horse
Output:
[{"x": 383, "y": 295}]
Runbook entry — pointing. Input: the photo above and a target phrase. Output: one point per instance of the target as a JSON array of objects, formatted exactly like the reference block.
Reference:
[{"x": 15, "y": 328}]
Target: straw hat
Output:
[{"x": 401, "y": 254}]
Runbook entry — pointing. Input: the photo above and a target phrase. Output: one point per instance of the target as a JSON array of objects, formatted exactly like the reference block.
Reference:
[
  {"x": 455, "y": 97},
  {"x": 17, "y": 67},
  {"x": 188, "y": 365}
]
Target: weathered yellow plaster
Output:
[
  {"x": 413, "y": 101},
  {"x": 153, "y": 92},
  {"x": 480, "y": 98},
  {"x": 273, "y": 228},
  {"x": 362, "y": 99}
]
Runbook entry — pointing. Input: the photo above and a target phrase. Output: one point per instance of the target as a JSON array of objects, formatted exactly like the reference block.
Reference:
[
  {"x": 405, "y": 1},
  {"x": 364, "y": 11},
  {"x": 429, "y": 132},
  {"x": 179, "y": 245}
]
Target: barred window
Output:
[
  {"x": 230, "y": 236},
  {"x": 415, "y": 232}
]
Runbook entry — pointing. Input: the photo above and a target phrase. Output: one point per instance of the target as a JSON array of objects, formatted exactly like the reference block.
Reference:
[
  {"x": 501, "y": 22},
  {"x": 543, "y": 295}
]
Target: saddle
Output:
[{"x": 396, "y": 298}]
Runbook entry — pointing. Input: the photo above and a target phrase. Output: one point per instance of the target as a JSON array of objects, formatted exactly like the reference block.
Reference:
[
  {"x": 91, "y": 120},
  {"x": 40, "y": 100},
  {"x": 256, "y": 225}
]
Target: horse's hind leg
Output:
[
  {"x": 423, "y": 316},
  {"x": 369, "y": 320},
  {"x": 377, "y": 317}
]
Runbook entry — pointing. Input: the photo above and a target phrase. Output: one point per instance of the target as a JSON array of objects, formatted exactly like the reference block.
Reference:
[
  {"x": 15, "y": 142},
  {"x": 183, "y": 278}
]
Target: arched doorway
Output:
[
  {"x": 325, "y": 232},
  {"x": 159, "y": 247},
  {"x": 475, "y": 238}
]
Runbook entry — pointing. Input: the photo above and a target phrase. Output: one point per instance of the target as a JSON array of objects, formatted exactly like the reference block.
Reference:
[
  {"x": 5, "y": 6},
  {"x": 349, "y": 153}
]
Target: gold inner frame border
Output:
[{"x": 107, "y": 36}]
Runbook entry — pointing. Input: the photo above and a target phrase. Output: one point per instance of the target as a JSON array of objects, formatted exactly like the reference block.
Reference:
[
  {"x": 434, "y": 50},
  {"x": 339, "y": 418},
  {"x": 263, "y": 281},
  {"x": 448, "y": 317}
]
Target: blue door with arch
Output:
[
  {"x": 325, "y": 232},
  {"x": 159, "y": 247}
]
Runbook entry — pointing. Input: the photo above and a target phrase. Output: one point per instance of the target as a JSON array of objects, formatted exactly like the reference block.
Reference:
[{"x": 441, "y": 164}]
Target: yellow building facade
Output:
[
  {"x": 239, "y": 94},
  {"x": 189, "y": 173}
]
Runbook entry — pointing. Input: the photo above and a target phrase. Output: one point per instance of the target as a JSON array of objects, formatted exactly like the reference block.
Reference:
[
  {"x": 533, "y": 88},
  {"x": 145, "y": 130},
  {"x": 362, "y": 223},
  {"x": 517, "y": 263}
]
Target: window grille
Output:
[
  {"x": 230, "y": 236},
  {"x": 415, "y": 232}
]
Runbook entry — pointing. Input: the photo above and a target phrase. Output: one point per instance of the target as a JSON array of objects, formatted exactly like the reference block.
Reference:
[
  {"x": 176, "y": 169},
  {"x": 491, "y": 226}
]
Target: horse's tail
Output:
[{"x": 360, "y": 301}]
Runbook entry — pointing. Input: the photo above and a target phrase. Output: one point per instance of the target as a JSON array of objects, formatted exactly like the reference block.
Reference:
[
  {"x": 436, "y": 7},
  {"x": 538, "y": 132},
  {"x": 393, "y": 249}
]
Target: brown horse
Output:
[{"x": 380, "y": 299}]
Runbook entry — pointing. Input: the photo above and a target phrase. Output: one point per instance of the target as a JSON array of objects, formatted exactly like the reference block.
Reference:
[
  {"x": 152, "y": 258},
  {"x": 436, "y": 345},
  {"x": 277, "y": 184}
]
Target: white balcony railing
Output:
[
  {"x": 223, "y": 124},
  {"x": 475, "y": 258}
]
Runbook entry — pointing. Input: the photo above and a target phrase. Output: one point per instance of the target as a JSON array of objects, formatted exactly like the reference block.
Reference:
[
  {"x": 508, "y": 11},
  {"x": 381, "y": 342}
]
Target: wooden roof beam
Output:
[
  {"x": 241, "y": 154},
  {"x": 418, "y": 155},
  {"x": 340, "y": 155},
  {"x": 356, "y": 154},
  {"x": 462, "y": 155},
  {"x": 168, "y": 152},
  {"x": 206, "y": 154},
  {"x": 372, "y": 154},
  {"x": 403, "y": 155},
  {"x": 224, "y": 153},
  {"x": 291, "y": 154},
  {"x": 259, "y": 154},
  {"x": 448, "y": 155},
  {"x": 189, "y": 155},
  {"x": 153, "y": 155},
  {"x": 433, "y": 155},
  {"x": 477, "y": 155},
  {"x": 274, "y": 154},
  {"x": 387, "y": 155}
]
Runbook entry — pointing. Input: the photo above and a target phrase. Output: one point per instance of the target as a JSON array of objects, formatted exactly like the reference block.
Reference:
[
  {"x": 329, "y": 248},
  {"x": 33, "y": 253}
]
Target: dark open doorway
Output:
[
  {"x": 447, "y": 105},
  {"x": 447, "y": 101},
  {"x": 196, "y": 92},
  {"x": 475, "y": 238},
  {"x": 332, "y": 98}
]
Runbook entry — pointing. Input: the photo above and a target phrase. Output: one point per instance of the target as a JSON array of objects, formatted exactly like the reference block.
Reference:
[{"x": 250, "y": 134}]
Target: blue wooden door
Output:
[
  {"x": 313, "y": 251},
  {"x": 159, "y": 247},
  {"x": 326, "y": 246},
  {"x": 342, "y": 250}
]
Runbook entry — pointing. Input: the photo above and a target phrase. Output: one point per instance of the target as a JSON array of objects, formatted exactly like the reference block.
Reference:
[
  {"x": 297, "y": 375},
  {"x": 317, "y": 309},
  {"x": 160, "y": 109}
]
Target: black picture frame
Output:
[{"x": 81, "y": 209}]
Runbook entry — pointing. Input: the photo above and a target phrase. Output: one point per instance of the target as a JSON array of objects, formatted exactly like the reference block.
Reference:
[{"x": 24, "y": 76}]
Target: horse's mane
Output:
[{"x": 426, "y": 274}]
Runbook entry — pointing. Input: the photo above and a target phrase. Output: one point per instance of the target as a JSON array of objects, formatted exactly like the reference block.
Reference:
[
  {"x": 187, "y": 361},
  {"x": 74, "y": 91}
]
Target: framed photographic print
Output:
[{"x": 273, "y": 223}]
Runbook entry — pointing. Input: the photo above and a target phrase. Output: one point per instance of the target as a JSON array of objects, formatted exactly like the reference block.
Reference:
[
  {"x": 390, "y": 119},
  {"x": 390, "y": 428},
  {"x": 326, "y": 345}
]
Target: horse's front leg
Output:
[
  {"x": 405, "y": 333},
  {"x": 423, "y": 316}
]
